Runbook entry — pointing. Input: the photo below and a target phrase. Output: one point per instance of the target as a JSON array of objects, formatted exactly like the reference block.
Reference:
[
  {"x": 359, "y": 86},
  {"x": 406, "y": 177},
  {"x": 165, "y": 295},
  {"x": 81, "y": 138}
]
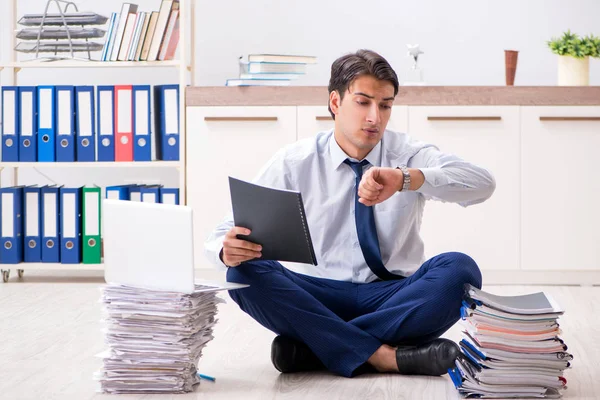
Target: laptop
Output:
[{"x": 151, "y": 246}]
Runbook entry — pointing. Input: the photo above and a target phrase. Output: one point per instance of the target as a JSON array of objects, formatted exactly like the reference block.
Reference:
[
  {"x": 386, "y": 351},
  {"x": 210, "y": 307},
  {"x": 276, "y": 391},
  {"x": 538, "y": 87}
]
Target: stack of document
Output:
[
  {"x": 511, "y": 347},
  {"x": 155, "y": 338}
]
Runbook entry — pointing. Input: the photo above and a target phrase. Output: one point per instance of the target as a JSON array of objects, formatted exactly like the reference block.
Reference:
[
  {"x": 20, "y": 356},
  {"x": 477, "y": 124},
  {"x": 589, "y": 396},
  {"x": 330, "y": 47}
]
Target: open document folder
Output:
[
  {"x": 511, "y": 347},
  {"x": 158, "y": 319}
]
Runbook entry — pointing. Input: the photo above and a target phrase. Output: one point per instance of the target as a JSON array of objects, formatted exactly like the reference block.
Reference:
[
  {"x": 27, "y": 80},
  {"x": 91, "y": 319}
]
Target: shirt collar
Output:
[{"x": 338, "y": 156}]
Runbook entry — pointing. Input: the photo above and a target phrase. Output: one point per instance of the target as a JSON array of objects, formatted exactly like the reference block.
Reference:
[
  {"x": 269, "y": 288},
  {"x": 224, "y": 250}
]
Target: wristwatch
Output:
[{"x": 406, "y": 183}]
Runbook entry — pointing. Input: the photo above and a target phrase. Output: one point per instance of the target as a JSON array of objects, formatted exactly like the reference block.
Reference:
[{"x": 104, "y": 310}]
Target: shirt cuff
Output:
[
  {"x": 434, "y": 177},
  {"x": 220, "y": 264}
]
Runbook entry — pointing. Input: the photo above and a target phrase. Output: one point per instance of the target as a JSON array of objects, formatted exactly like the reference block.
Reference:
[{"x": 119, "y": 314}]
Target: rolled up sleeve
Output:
[{"x": 451, "y": 179}]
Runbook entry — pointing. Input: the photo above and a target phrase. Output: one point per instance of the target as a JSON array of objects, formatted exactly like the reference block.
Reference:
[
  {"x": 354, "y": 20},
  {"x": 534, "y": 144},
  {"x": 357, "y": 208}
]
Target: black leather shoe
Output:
[
  {"x": 290, "y": 355},
  {"x": 433, "y": 358}
]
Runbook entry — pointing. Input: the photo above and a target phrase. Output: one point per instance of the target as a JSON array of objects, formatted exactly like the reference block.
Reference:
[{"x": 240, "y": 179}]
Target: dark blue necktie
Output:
[{"x": 366, "y": 230}]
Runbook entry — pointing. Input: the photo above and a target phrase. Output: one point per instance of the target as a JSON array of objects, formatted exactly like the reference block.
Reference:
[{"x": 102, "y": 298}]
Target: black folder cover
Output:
[{"x": 276, "y": 218}]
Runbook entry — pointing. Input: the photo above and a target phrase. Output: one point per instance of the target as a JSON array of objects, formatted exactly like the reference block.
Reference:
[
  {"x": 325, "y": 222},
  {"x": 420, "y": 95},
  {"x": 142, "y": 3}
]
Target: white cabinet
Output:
[
  {"x": 399, "y": 120},
  {"x": 560, "y": 192},
  {"x": 228, "y": 141},
  {"x": 314, "y": 119},
  {"x": 540, "y": 225},
  {"x": 488, "y": 137}
]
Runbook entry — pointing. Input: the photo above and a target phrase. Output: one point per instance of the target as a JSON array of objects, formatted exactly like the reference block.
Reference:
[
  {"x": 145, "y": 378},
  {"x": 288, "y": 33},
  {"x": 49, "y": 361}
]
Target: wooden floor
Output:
[{"x": 50, "y": 332}]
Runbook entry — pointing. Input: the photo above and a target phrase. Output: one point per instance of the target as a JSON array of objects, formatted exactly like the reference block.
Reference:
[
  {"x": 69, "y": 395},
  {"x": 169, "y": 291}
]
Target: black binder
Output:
[{"x": 276, "y": 219}]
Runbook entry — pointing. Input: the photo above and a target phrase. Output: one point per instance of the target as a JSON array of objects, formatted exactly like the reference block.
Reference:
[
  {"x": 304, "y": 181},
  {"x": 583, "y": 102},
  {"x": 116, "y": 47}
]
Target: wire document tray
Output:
[
  {"x": 61, "y": 34},
  {"x": 83, "y": 18}
]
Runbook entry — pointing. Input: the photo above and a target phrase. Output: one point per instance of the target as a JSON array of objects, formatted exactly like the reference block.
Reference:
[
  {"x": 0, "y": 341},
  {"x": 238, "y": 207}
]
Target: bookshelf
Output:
[
  {"x": 61, "y": 267},
  {"x": 6, "y": 274},
  {"x": 185, "y": 69},
  {"x": 91, "y": 64},
  {"x": 95, "y": 164}
]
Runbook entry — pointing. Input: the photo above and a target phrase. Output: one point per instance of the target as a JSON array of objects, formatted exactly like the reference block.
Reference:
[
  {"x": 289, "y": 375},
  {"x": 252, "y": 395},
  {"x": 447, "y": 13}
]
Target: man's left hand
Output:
[{"x": 379, "y": 184}]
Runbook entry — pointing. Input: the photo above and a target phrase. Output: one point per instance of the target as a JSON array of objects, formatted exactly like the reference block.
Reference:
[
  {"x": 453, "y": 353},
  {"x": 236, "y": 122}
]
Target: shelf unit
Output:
[
  {"x": 185, "y": 69},
  {"x": 56, "y": 266},
  {"x": 90, "y": 64},
  {"x": 93, "y": 164},
  {"x": 46, "y": 267}
]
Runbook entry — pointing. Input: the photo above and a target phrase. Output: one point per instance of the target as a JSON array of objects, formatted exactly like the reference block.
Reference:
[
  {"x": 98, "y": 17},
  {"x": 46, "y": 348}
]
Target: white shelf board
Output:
[
  {"x": 91, "y": 64},
  {"x": 201, "y": 271},
  {"x": 93, "y": 164},
  {"x": 51, "y": 266}
]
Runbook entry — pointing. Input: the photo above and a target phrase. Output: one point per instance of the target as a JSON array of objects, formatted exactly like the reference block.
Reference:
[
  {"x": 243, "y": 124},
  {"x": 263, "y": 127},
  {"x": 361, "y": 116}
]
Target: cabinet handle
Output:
[
  {"x": 569, "y": 118},
  {"x": 324, "y": 118},
  {"x": 238, "y": 119},
  {"x": 464, "y": 118}
]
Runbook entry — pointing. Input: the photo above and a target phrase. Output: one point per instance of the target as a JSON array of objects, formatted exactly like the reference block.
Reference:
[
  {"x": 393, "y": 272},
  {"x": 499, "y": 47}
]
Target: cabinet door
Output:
[
  {"x": 488, "y": 137},
  {"x": 560, "y": 192},
  {"x": 315, "y": 119},
  {"x": 228, "y": 141}
]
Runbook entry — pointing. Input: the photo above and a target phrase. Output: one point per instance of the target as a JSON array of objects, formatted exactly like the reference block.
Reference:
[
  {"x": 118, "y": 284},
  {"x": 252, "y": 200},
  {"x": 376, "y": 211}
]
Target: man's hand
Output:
[
  {"x": 236, "y": 251},
  {"x": 379, "y": 184}
]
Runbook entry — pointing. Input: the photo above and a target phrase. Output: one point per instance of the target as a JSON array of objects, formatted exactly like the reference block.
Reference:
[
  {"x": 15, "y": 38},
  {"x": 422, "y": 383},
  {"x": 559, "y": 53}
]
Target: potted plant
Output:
[{"x": 574, "y": 57}]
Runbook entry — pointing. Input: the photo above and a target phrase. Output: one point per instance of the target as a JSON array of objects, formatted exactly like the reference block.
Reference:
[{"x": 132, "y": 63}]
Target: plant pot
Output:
[{"x": 573, "y": 71}]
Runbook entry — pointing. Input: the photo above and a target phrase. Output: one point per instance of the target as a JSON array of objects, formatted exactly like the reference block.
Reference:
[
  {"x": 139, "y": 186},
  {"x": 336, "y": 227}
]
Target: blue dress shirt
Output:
[{"x": 315, "y": 167}]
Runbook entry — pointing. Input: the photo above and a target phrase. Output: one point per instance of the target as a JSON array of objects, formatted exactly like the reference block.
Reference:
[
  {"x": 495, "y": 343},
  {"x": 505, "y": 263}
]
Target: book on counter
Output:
[
  {"x": 257, "y": 82},
  {"x": 282, "y": 58},
  {"x": 270, "y": 69}
]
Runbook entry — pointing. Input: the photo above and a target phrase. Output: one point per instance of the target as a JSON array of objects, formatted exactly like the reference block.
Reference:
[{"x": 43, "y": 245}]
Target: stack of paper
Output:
[
  {"x": 155, "y": 338},
  {"x": 511, "y": 347}
]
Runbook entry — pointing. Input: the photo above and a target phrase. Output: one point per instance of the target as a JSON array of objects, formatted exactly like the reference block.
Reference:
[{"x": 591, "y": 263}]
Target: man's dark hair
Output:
[{"x": 348, "y": 67}]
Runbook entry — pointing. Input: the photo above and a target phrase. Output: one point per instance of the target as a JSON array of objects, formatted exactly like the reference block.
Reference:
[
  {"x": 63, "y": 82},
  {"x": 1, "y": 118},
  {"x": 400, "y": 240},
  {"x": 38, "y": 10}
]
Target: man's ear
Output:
[{"x": 334, "y": 101}]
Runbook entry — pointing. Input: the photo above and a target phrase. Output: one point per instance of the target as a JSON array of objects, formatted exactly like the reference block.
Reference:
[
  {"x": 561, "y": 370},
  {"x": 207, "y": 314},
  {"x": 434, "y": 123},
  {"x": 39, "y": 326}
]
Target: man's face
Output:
[{"x": 362, "y": 116}]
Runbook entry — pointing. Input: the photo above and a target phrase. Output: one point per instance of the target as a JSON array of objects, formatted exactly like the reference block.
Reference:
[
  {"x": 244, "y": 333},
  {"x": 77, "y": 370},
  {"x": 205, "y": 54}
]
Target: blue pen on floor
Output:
[{"x": 210, "y": 378}]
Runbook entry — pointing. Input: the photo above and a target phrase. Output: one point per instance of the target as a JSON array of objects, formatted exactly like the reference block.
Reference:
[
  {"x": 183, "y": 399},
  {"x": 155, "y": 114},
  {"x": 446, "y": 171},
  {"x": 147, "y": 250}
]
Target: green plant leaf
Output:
[{"x": 571, "y": 44}]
